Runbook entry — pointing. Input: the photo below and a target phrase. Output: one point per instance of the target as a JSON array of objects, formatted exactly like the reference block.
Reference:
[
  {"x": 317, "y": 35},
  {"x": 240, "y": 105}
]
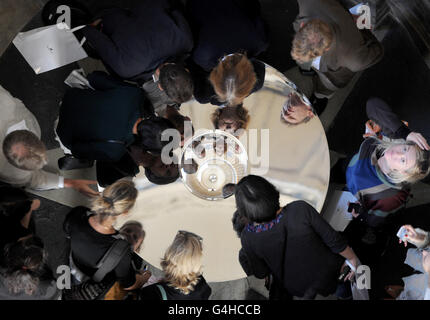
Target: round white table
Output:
[{"x": 294, "y": 158}]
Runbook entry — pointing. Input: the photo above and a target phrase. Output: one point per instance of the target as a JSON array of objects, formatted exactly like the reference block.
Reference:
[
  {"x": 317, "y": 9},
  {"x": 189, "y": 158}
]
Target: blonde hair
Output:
[
  {"x": 115, "y": 200},
  {"x": 182, "y": 262},
  {"x": 34, "y": 155},
  {"x": 311, "y": 41},
  {"x": 233, "y": 79},
  {"x": 418, "y": 172}
]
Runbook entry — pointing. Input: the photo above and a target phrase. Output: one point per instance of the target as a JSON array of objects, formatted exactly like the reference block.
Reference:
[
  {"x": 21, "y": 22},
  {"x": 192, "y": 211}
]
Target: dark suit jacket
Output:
[
  {"x": 225, "y": 26},
  {"x": 135, "y": 42},
  {"x": 90, "y": 117},
  {"x": 353, "y": 50}
]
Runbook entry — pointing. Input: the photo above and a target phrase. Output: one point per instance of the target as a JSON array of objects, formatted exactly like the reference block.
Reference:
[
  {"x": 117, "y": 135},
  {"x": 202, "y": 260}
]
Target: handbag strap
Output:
[
  {"x": 111, "y": 259},
  {"x": 162, "y": 291}
]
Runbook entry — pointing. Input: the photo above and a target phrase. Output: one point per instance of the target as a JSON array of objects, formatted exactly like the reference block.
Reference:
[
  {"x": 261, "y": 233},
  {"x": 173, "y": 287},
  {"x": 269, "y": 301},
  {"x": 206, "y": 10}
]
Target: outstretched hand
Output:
[
  {"x": 83, "y": 186},
  {"x": 419, "y": 140}
]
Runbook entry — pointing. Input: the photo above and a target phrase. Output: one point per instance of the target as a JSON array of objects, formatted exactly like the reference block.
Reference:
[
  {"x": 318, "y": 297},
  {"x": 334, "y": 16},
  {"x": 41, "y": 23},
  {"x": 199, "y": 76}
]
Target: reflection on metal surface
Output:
[{"x": 211, "y": 160}]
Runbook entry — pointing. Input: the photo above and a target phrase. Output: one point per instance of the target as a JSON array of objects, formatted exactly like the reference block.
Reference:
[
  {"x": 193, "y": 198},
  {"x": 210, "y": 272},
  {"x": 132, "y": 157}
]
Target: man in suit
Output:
[
  {"x": 328, "y": 40},
  {"x": 23, "y": 154},
  {"x": 134, "y": 43}
]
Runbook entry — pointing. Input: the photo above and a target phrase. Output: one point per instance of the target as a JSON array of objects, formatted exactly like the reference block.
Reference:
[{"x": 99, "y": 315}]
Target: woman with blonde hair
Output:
[
  {"x": 92, "y": 233},
  {"x": 182, "y": 267},
  {"x": 381, "y": 173}
]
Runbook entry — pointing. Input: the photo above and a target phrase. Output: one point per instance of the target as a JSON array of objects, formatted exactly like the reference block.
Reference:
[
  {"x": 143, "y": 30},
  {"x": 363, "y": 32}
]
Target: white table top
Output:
[{"x": 299, "y": 166}]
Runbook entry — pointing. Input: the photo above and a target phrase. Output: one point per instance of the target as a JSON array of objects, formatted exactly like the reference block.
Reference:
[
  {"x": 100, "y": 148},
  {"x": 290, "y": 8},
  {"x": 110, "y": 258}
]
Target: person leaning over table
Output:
[
  {"x": 134, "y": 42},
  {"x": 100, "y": 124},
  {"x": 92, "y": 232},
  {"x": 23, "y": 154},
  {"x": 328, "y": 40},
  {"x": 293, "y": 244},
  {"x": 182, "y": 267}
]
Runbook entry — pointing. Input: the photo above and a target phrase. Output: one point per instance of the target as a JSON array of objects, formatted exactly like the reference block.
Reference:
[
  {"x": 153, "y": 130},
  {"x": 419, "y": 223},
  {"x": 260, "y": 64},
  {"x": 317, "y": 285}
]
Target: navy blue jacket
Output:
[
  {"x": 136, "y": 42},
  {"x": 225, "y": 26},
  {"x": 90, "y": 117}
]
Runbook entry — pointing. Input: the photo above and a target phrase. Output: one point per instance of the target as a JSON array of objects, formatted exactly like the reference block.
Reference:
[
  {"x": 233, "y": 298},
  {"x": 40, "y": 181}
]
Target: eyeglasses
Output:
[{"x": 187, "y": 233}]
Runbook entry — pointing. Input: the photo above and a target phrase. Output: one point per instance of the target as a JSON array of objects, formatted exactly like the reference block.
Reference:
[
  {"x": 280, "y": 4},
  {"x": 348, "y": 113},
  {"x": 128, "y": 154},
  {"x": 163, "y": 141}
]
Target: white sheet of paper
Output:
[
  {"x": 48, "y": 48},
  {"x": 336, "y": 213},
  {"x": 18, "y": 126}
]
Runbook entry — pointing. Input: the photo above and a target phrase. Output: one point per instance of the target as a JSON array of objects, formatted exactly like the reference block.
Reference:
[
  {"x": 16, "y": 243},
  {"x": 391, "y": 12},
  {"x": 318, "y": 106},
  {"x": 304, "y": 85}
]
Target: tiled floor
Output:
[{"x": 14, "y": 15}]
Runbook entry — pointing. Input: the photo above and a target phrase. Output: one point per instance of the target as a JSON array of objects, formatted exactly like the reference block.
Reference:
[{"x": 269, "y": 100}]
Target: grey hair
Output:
[{"x": 34, "y": 157}]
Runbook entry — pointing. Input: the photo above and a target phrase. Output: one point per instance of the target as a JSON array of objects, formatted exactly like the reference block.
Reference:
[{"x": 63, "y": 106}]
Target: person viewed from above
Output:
[
  {"x": 225, "y": 26},
  {"x": 416, "y": 286},
  {"x": 171, "y": 85},
  {"x": 293, "y": 244},
  {"x": 381, "y": 173},
  {"x": 24, "y": 274},
  {"x": 92, "y": 233},
  {"x": 182, "y": 267},
  {"x": 329, "y": 42},
  {"x": 23, "y": 154},
  {"x": 231, "y": 119},
  {"x": 233, "y": 79},
  {"x": 296, "y": 110},
  {"x": 182, "y": 123},
  {"x": 145, "y": 152},
  {"x": 134, "y": 43},
  {"x": 16, "y": 208},
  {"x": 100, "y": 124}
]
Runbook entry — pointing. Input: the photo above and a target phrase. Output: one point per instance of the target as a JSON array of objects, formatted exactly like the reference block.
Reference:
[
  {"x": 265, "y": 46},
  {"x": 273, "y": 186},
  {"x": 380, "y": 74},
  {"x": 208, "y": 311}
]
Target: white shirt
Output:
[
  {"x": 316, "y": 62},
  {"x": 15, "y": 116}
]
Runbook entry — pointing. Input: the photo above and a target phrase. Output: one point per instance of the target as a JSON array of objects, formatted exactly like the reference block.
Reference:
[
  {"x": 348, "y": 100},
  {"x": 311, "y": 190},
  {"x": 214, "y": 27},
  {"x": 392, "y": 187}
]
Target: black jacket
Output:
[
  {"x": 88, "y": 118},
  {"x": 135, "y": 42},
  {"x": 299, "y": 248},
  {"x": 225, "y": 26}
]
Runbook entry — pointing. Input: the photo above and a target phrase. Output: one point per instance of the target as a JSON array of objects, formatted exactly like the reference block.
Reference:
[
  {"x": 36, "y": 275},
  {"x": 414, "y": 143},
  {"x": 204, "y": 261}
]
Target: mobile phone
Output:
[
  {"x": 401, "y": 234},
  {"x": 344, "y": 273}
]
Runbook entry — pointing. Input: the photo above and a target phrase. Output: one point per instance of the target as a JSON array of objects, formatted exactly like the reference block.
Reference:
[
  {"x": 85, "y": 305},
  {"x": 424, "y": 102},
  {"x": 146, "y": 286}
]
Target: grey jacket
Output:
[
  {"x": 352, "y": 50},
  {"x": 13, "y": 112}
]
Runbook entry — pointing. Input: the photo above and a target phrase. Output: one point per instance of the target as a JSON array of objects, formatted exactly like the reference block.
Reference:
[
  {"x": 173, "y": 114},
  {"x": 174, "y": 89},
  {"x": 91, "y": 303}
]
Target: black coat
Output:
[
  {"x": 135, "y": 42},
  {"x": 88, "y": 118},
  {"x": 299, "y": 248},
  {"x": 225, "y": 26}
]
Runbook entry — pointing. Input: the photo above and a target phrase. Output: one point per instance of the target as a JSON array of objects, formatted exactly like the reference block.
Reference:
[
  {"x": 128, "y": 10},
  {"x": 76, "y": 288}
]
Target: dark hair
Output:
[
  {"x": 177, "y": 82},
  {"x": 25, "y": 265},
  {"x": 14, "y": 202},
  {"x": 160, "y": 180},
  {"x": 239, "y": 222},
  {"x": 150, "y": 132},
  {"x": 256, "y": 199}
]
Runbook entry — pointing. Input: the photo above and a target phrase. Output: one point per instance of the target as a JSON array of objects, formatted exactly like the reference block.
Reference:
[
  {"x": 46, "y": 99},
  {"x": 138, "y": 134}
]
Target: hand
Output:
[
  {"x": 426, "y": 261},
  {"x": 83, "y": 186},
  {"x": 351, "y": 274},
  {"x": 419, "y": 140},
  {"x": 35, "y": 204},
  {"x": 412, "y": 235}
]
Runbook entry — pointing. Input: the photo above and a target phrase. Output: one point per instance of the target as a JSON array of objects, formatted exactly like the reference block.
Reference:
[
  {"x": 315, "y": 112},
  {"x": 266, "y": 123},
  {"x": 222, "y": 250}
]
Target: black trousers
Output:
[{"x": 110, "y": 172}]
